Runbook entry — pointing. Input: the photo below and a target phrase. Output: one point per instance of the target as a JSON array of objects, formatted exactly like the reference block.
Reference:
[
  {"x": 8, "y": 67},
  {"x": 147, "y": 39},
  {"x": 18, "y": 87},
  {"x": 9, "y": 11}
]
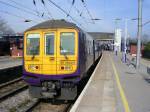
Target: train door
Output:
[
  {"x": 49, "y": 54},
  {"x": 67, "y": 51},
  {"x": 32, "y": 52}
]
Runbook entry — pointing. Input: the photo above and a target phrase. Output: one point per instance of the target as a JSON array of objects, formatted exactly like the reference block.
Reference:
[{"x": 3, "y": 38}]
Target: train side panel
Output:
[{"x": 88, "y": 52}]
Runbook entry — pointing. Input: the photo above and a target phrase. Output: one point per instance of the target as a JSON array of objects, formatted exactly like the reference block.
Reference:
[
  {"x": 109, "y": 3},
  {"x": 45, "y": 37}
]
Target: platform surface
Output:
[
  {"x": 99, "y": 95},
  {"x": 136, "y": 88},
  {"x": 114, "y": 87},
  {"x": 8, "y": 62}
]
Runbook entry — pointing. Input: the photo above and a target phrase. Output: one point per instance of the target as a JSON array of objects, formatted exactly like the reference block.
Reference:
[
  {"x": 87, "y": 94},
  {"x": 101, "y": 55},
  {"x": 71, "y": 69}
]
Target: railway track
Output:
[
  {"x": 11, "y": 88},
  {"x": 11, "y": 95},
  {"x": 40, "y": 106}
]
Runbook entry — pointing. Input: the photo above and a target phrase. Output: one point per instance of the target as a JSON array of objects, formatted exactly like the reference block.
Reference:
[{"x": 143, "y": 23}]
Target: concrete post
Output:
[{"x": 139, "y": 33}]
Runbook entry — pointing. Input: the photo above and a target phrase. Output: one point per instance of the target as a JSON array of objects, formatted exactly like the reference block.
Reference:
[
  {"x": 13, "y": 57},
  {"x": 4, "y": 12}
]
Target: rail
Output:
[
  {"x": 41, "y": 106},
  {"x": 11, "y": 88},
  {"x": 10, "y": 82}
]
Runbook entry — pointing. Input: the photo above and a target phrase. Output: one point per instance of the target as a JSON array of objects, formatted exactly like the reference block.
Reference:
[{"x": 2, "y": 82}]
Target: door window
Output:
[
  {"x": 49, "y": 44},
  {"x": 33, "y": 43},
  {"x": 67, "y": 43}
]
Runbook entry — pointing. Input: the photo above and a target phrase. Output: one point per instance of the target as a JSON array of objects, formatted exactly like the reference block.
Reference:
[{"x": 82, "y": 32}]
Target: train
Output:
[{"x": 57, "y": 55}]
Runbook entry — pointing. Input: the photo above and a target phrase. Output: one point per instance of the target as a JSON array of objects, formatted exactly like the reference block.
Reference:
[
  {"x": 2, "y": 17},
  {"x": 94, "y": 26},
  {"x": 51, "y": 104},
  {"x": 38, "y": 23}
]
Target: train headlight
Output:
[
  {"x": 67, "y": 65},
  {"x": 34, "y": 67},
  {"x": 68, "y": 68}
]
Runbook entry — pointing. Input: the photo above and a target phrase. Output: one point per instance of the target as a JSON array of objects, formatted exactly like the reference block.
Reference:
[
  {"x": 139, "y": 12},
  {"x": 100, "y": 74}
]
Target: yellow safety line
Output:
[{"x": 122, "y": 94}]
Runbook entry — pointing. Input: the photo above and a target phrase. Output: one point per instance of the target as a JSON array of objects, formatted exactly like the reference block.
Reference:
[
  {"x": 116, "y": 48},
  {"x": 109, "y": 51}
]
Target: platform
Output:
[
  {"x": 114, "y": 87},
  {"x": 8, "y": 62},
  {"x": 98, "y": 95}
]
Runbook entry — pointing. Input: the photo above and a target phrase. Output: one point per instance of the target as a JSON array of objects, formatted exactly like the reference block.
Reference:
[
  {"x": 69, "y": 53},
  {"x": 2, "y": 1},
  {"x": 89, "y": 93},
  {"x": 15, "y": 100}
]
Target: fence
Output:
[{"x": 144, "y": 70}]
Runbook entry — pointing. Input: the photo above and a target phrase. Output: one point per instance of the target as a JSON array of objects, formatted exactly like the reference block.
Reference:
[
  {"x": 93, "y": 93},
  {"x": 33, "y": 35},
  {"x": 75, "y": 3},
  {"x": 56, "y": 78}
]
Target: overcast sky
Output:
[{"x": 107, "y": 10}]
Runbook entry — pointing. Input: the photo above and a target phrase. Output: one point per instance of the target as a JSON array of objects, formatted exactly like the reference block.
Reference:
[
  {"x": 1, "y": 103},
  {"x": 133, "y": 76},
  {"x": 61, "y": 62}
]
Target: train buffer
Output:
[{"x": 114, "y": 87}]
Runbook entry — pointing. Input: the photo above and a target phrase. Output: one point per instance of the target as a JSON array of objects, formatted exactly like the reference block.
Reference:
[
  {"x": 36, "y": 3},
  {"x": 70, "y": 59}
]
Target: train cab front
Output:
[{"x": 51, "y": 62}]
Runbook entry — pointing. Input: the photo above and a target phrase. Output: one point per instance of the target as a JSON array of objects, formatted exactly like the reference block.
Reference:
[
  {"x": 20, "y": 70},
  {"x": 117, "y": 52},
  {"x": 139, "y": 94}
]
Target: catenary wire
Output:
[{"x": 10, "y": 5}]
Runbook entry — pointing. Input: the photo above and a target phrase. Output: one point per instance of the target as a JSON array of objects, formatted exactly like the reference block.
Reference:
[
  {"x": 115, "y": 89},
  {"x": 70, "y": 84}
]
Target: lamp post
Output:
[{"x": 139, "y": 33}]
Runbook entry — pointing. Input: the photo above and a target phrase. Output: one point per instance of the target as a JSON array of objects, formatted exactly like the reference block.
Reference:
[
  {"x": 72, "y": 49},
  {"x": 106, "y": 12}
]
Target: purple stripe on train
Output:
[{"x": 37, "y": 78}]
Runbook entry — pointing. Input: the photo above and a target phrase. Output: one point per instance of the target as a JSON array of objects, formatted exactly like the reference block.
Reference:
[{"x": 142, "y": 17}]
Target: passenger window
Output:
[
  {"x": 67, "y": 43},
  {"x": 49, "y": 44},
  {"x": 33, "y": 43}
]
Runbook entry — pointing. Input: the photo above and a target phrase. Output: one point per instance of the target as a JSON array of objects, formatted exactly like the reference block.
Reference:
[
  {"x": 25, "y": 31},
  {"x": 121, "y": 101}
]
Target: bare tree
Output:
[{"x": 5, "y": 28}]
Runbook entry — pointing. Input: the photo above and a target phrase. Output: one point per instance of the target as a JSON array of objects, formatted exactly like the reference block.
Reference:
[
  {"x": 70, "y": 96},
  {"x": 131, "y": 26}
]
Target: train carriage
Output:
[{"x": 57, "y": 54}]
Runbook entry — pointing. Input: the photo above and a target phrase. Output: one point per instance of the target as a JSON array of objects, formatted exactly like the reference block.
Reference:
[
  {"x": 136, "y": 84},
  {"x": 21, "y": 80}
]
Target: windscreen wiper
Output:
[
  {"x": 33, "y": 56},
  {"x": 65, "y": 55}
]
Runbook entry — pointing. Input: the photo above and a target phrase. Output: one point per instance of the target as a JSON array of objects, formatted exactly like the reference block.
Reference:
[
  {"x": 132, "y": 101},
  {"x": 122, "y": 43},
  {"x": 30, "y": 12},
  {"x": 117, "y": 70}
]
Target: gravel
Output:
[
  {"x": 13, "y": 103},
  {"x": 48, "y": 107}
]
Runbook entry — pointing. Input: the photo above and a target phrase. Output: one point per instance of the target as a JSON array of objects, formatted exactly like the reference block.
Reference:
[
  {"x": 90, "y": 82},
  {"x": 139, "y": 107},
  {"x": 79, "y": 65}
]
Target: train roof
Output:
[{"x": 54, "y": 24}]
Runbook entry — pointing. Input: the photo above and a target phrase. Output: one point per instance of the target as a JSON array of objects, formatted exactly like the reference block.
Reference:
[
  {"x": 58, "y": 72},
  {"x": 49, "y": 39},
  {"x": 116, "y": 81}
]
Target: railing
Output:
[
  {"x": 144, "y": 70},
  {"x": 148, "y": 70}
]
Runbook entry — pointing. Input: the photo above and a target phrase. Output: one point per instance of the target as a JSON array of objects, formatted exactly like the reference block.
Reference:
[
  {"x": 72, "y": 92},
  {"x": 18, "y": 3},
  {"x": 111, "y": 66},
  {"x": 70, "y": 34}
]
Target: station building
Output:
[
  {"x": 104, "y": 39},
  {"x": 11, "y": 45}
]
